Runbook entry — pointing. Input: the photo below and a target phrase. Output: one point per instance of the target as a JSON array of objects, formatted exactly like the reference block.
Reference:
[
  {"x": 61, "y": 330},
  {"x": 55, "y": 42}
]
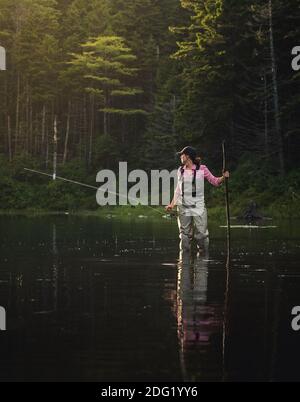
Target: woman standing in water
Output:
[{"x": 189, "y": 199}]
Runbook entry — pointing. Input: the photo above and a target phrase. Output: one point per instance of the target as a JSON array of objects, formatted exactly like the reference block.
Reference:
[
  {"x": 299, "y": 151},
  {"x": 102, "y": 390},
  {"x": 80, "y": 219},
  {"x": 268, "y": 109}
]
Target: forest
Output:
[{"x": 91, "y": 83}]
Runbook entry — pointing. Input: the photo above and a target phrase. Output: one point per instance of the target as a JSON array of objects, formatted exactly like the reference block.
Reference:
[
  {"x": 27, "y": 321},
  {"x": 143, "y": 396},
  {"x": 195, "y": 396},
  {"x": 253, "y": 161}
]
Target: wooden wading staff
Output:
[
  {"x": 227, "y": 204},
  {"x": 228, "y": 279}
]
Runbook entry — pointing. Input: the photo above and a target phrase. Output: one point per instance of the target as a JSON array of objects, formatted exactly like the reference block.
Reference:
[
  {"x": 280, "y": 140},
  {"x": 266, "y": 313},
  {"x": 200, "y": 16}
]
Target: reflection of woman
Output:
[
  {"x": 189, "y": 198},
  {"x": 197, "y": 321},
  {"x": 191, "y": 293}
]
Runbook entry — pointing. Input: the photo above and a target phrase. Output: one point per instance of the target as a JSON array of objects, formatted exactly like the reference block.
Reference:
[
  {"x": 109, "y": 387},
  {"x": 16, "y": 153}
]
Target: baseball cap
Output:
[{"x": 189, "y": 151}]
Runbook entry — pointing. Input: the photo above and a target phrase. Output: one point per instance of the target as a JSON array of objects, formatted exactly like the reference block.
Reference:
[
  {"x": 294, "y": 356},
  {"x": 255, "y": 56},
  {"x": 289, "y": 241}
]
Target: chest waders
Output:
[
  {"x": 192, "y": 225},
  {"x": 193, "y": 184}
]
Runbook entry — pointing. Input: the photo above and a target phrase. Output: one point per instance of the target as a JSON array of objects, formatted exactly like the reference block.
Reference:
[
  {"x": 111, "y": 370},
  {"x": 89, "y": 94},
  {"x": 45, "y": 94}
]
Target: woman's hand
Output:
[
  {"x": 169, "y": 207},
  {"x": 226, "y": 175}
]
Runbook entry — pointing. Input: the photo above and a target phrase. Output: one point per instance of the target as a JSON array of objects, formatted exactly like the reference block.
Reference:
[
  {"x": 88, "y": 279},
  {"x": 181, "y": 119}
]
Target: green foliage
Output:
[
  {"x": 105, "y": 65},
  {"x": 275, "y": 196},
  {"x": 136, "y": 80},
  {"x": 227, "y": 80}
]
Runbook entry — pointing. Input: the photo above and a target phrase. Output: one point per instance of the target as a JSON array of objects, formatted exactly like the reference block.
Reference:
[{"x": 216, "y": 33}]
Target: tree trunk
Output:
[
  {"x": 47, "y": 149},
  {"x": 85, "y": 130},
  {"x": 43, "y": 128},
  {"x": 123, "y": 129},
  {"x": 275, "y": 93},
  {"x": 17, "y": 113},
  {"x": 173, "y": 102},
  {"x": 27, "y": 116},
  {"x": 31, "y": 127},
  {"x": 9, "y": 138},
  {"x": 36, "y": 144},
  {"x": 43, "y": 124},
  {"x": 67, "y": 134},
  {"x": 8, "y": 120},
  {"x": 92, "y": 102},
  {"x": 80, "y": 118},
  {"x": 105, "y": 114},
  {"x": 266, "y": 128},
  {"x": 105, "y": 122},
  {"x": 55, "y": 148}
]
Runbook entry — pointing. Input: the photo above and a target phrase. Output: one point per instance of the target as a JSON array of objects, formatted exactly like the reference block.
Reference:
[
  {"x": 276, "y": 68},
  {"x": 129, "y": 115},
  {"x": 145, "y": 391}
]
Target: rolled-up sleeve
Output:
[
  {"x": 215, "y": 181},
  {"x": 177, "y": 192}
]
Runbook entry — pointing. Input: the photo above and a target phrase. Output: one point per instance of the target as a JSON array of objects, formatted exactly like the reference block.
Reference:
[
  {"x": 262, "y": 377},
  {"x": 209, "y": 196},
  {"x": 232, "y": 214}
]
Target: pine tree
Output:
[{"x": 106, "y": 64}]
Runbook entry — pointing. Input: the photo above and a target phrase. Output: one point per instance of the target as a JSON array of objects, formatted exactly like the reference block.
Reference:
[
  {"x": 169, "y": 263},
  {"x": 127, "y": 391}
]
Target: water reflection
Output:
[
  {"x": 199, "y": 321},
  {"x": 97, "y": 300},
  {"x": 44, "y": 296}
]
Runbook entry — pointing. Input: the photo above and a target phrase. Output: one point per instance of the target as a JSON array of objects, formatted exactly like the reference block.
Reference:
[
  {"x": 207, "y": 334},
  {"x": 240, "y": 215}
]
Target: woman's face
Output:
[{"x": 184, "y": 158}]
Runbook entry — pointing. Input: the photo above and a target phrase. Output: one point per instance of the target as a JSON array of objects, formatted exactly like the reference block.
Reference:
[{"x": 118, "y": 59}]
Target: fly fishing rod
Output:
[{"x": 55, "y": 177}]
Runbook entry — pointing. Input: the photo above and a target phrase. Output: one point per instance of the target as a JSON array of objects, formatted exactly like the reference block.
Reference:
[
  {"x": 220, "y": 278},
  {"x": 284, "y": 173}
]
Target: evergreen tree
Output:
[{"x": 107, "y": 66}]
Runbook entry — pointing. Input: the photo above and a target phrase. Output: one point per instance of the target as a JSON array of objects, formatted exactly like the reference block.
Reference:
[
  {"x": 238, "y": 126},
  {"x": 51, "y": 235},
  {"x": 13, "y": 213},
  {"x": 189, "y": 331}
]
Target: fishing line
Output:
[{"x": 92, "y": 187}]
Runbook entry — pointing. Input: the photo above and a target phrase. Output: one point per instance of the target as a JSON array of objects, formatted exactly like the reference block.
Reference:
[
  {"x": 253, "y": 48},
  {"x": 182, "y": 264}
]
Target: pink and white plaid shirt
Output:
[{"x": 188, "y": 173}]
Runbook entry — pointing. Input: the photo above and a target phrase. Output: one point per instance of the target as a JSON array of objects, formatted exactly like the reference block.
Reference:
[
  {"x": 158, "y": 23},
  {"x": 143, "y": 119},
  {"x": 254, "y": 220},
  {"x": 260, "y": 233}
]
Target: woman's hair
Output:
[{"x": 197, "y": 161}]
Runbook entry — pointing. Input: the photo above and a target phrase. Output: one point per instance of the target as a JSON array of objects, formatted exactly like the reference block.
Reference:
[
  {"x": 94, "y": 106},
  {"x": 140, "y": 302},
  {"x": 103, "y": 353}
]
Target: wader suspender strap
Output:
[{"x": 194, "y": 180}]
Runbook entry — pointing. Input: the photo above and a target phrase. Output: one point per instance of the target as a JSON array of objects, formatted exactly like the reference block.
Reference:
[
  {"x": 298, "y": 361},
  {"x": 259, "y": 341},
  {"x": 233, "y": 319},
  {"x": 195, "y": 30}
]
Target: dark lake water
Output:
[{"x": 96, "y": 299}]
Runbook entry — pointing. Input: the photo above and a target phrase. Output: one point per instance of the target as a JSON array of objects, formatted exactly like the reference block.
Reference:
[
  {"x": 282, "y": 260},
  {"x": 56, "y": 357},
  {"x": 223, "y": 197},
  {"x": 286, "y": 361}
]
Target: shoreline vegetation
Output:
[
  {"x": 24, "y": 193},
  {"x": 217, "y": 213}
]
